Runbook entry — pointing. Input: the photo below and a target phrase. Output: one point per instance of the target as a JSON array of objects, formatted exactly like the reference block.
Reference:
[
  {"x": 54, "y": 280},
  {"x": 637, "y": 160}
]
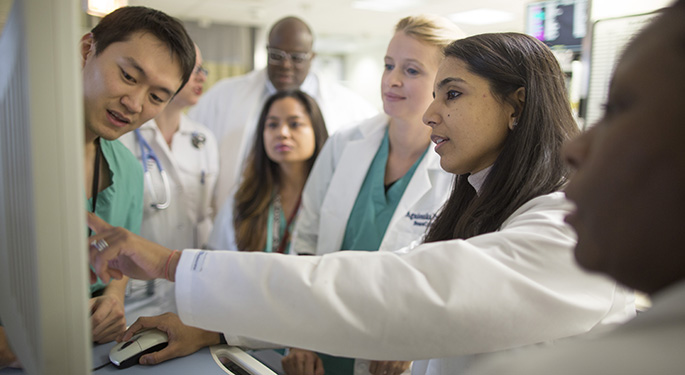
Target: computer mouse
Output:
[{"x": 127, "y": 353}]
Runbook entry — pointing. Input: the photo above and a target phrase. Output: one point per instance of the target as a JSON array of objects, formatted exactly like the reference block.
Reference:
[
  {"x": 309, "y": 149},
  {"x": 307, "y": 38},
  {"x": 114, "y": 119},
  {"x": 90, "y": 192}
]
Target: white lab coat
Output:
[
  {"x": 334, "y": 183},
  {"x": 188, "y": 220},
  {"x": 333, "y": 186},
  {"x": 447, "y": 300},
  {"x": 231, "y": 108},
  {"x": 652, "y": 343}
]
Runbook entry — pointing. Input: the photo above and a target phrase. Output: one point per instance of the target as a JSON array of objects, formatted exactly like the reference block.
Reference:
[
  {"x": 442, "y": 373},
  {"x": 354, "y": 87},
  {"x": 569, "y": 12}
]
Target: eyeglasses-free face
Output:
[{"x": 288, "y": 133}]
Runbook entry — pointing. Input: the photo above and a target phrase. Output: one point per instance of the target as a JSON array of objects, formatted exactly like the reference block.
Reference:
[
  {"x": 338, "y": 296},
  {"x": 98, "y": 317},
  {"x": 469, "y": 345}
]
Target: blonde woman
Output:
[{"x": 376, "y": 186}]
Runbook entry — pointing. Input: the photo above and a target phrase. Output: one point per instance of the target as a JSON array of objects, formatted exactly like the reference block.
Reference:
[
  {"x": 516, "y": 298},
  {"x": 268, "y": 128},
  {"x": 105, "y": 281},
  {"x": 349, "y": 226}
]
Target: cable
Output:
[{"x": 101, "y": 366}]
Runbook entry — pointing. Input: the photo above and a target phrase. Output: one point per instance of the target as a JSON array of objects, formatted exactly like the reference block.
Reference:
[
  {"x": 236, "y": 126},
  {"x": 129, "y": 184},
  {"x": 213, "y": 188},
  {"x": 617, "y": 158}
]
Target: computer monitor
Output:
[
  {"x": 558, "y": 23},
  {"x": 43, "y": 259}
]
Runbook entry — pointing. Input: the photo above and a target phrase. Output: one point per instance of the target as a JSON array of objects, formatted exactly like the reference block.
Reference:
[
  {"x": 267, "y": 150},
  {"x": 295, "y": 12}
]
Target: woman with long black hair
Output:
[{"x": 261, "y": 215}]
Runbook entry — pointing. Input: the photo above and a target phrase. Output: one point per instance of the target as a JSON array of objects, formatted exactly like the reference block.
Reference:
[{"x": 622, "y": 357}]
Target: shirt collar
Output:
[{"x": 477, "y": 179}]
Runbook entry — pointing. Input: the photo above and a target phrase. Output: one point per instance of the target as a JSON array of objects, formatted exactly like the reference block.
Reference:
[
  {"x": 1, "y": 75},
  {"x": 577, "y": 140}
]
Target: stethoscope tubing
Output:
[{"x": 146, "y": 154}]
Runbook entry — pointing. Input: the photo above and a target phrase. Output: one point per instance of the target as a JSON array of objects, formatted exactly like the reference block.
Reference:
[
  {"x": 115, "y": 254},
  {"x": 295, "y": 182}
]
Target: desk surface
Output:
[
  {"x": 197, "y": 363},
  {"x": 200, "y": 362}
]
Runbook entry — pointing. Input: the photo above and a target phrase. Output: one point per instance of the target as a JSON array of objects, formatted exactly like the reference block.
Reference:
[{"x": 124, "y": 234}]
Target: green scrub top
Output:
[
  {"x": 121, "y": 203},
  {"x": 375, "y": 206},
  {"x": 366, "y": 226}
]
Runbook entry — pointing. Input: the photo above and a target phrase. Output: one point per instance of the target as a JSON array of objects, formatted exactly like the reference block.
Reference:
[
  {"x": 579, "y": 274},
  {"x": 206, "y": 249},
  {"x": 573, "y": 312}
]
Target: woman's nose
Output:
[
  {"x": 430, "y": 117},
  {"x": 394, "y": 78},
  {"x": 284, "y": 131}
]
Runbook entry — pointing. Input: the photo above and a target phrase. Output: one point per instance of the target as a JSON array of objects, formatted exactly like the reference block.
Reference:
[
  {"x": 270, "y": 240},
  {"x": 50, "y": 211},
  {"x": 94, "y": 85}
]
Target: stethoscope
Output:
[{"x": 146, "y": 156}]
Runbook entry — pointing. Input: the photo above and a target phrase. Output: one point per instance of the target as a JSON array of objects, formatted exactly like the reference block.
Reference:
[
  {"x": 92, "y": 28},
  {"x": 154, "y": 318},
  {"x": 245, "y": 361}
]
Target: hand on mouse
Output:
[
  {"x": 183, "y": 340},
  {"x": 108, "y": 318},
  {"x": 302, "y": 362},
  {"x": 125, "y": 253}
]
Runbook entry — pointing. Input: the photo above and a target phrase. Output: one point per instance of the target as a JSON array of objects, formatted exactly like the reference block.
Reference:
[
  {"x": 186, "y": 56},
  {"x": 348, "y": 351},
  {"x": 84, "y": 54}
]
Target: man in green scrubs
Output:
[{"x": 134, "y": 61}]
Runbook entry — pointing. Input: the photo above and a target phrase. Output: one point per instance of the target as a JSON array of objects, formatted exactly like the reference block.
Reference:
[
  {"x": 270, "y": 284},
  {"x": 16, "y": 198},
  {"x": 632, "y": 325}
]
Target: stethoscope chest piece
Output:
[{"x": 198, "y": 139}]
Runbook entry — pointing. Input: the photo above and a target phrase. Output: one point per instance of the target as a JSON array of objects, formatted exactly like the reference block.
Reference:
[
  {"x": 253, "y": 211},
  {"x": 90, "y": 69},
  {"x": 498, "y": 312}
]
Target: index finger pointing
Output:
[{"x": 96, "y": 224}]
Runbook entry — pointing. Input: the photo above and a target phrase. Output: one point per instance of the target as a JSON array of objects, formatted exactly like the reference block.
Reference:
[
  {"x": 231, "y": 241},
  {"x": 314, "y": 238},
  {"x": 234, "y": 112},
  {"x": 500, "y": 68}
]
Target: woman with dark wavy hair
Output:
[
  {"x": 496, "y": 271},
  {"x": 290, "y": 133}
]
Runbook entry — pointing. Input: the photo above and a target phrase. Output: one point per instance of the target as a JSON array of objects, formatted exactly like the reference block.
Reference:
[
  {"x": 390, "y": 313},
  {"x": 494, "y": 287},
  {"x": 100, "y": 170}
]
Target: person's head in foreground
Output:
[
  {"x": 500, "y": 109},
  {"x": 134, "y": 62},
  {"x": 628, "y": 189},
  {"x": 629, "y": 184}
]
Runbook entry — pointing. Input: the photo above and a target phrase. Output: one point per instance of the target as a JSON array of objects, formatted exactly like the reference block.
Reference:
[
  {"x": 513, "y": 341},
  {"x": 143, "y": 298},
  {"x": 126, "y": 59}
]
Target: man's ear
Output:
[
  {"x": 87, "y": 48},
  {"x": 518, "y": 99}
]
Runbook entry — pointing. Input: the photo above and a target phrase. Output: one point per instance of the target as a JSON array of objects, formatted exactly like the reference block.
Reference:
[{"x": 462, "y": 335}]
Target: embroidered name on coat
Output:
[{"x": 420, "y": 219}]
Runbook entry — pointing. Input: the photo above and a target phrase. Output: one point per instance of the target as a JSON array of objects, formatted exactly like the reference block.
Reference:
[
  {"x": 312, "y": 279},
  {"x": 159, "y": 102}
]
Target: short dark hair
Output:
[
  {"x": 121, "y": 23},
  {"x": 530, "y": 163},
  {"x": 290, "y": 21}
]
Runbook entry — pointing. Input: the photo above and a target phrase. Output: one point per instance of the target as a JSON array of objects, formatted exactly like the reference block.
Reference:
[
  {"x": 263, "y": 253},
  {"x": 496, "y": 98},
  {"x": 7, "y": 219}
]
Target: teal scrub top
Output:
[
  {"x": 366, "y": 226},
  {"x": 121, "y": 203},
  {"x": 374, "y": 207},
  {"x": 268, "y": 248}
]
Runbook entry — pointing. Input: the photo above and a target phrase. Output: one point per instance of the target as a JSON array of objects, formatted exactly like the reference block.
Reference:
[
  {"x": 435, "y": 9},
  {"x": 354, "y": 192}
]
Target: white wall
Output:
[
  {"x": 364, "y": 68},
  {"x": 359, "y": 67}
]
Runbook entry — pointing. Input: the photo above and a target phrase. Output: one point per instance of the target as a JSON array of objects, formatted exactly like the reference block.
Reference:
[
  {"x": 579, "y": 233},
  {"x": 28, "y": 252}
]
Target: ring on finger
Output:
[{"x": 100, "y": 244}]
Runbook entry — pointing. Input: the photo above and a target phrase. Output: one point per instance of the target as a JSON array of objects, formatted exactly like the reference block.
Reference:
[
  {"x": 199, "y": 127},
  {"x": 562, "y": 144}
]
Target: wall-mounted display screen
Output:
[{"x": 561, "y": 23}]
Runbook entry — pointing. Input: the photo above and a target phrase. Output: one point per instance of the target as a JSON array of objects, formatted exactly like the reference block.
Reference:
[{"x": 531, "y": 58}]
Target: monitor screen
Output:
[{"x": 558, "y": 23}]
